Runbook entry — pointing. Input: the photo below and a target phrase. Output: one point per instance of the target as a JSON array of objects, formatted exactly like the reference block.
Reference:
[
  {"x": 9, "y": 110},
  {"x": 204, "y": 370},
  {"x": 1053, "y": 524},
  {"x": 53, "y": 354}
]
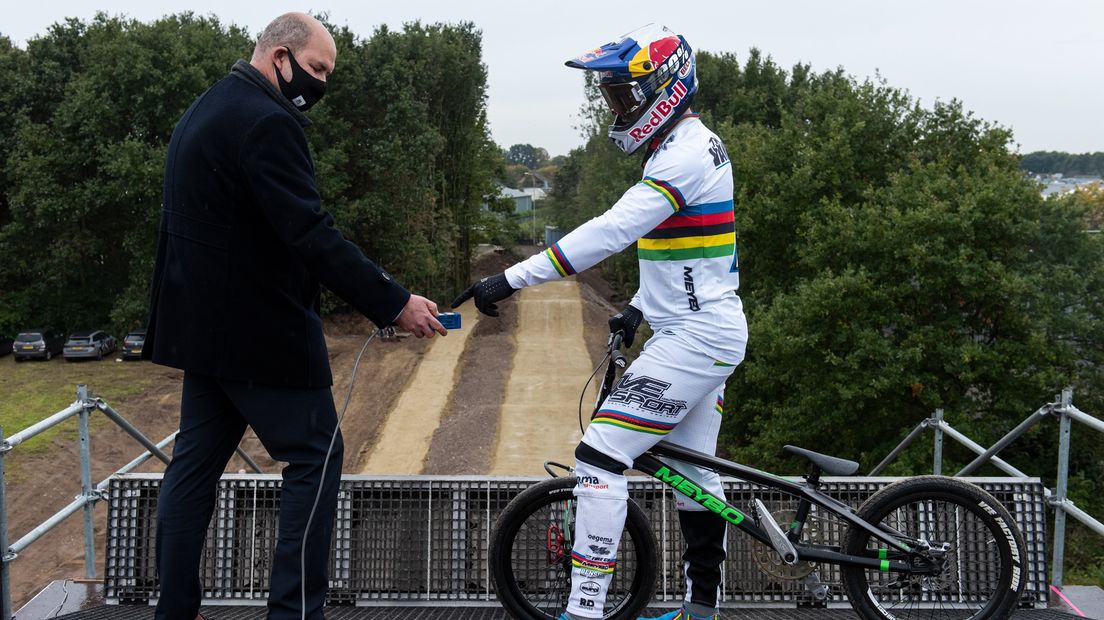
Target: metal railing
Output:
[
  {"x": 90, "y": 494},
  {"x": 424, "y": 540},
  {"x": 1063, "y": 409},
  {"x": 263, "y": 504}
]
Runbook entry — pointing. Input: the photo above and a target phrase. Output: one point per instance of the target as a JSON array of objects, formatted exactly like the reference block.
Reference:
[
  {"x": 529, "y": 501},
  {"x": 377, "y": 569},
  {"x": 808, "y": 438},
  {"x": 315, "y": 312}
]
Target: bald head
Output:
[{"x": 302, "y": 35}]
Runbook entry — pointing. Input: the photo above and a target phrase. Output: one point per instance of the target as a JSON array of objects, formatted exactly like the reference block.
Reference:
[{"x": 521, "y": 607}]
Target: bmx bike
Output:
[{"x": 924, "y": 547}]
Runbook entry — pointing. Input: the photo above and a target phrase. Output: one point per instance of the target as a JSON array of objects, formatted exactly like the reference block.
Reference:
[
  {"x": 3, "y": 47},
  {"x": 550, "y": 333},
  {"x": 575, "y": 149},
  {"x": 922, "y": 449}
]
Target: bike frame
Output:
[
  {"x": 878, "y": 559},
  {"x": 894, "y": 558}
]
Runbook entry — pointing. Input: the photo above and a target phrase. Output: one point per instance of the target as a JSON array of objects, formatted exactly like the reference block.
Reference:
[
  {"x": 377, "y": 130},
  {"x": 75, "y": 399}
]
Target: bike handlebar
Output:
[{"x": 616, "y": 360}]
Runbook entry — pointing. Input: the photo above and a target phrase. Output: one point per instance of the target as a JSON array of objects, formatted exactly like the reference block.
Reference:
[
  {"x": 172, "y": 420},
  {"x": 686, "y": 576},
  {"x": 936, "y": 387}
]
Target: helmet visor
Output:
[{"x": 623, "y": 98}]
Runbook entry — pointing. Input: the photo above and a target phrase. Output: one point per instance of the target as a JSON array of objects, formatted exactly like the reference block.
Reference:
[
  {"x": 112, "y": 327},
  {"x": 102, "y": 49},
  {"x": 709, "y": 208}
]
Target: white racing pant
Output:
[{"x": 671, "y": 392}]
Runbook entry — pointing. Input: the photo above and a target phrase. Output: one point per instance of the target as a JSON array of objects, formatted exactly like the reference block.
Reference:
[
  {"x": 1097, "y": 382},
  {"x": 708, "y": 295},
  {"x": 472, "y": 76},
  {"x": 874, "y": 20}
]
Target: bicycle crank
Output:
[
  {"x": 770, "y": 562},
  {"x": 782, "y": 545}
]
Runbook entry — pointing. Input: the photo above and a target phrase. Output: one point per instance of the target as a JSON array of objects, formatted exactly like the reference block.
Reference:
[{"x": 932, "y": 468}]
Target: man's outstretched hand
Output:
[
  {"x": 417, "y": 317},
  {"x": 487, "y": 293}
]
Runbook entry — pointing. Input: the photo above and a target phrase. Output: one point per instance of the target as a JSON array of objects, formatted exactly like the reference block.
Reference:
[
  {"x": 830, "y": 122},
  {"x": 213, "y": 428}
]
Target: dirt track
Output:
[
  {"x": 409, "y": 426},
  {"x": 463, "y": 441},
  {"x": 514, "y": 403},
  {"x": 539, "y": 419}
]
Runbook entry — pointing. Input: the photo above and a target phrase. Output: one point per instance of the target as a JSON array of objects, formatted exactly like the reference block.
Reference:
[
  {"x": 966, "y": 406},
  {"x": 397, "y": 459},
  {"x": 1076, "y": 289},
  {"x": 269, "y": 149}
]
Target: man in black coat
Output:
[{"x": 243, "y": 248}]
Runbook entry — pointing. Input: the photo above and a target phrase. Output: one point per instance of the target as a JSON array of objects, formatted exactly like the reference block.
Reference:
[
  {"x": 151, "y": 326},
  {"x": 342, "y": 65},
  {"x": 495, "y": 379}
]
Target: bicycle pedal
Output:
[{"x": 779, "y": 542}]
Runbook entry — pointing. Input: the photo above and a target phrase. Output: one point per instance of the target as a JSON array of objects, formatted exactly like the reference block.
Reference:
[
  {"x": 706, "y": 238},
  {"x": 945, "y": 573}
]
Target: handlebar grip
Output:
[{"x": 615, "y": 349}]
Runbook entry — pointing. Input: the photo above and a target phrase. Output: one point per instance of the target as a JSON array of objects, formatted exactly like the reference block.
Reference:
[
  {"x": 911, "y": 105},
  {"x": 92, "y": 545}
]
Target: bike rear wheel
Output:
[
  {"x": 974, "y": 541},
  {"x": 530, "y": 555}
]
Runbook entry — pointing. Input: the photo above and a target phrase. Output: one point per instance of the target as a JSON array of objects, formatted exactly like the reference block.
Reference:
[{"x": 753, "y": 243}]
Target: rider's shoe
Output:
[{"x": 681, "y": 614}]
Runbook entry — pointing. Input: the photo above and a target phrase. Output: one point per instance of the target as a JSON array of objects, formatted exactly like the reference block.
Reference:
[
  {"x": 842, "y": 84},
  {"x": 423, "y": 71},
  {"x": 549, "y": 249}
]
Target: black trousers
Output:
[{"x": 295, "y": 426}]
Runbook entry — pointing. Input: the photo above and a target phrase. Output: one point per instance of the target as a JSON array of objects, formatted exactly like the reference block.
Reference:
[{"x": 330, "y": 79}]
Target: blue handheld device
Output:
[{"x": 449, "y": 320}]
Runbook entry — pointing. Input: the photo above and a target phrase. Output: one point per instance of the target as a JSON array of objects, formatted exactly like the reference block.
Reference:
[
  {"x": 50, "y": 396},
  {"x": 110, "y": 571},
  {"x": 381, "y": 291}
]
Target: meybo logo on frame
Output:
[{"x": 662, "y": 112}]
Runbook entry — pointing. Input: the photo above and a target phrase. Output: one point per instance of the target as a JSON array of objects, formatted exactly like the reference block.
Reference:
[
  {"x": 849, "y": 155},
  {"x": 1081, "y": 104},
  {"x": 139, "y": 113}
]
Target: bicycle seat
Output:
[{"x": 828, "y": 464}]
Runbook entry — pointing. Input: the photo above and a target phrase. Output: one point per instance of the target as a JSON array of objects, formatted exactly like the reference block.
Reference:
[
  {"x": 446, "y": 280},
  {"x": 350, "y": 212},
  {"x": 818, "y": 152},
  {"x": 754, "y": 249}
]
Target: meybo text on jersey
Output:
[{"x": 661, "y": 113}]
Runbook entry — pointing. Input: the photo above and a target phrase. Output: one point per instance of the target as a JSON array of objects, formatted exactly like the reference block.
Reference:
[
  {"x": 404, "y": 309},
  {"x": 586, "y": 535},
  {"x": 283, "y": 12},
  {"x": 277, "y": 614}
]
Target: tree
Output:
[
  {"x": 527, "y": 155},
  {"x": 1051, "y": 162},
  {"x": 405, "y": 148},
  {"x": 97, "y": 103},
  {"x": 13, "y": 65},
  {"x": 1088, "y": 199}
]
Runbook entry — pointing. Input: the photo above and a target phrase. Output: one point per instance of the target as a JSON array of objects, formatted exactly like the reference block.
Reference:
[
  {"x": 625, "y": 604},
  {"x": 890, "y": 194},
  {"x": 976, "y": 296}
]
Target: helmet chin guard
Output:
[{"x": 648, "y": 80}]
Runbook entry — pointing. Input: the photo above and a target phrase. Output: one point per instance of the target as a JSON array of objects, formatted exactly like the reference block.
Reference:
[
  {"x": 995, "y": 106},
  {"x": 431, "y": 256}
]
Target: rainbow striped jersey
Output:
[{"x": 681, "y": 216}]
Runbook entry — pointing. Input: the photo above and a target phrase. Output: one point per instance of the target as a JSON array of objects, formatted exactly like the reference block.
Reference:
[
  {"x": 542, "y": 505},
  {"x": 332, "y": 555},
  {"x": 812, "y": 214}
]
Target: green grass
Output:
[
  {"x": 1084, "y": 555},
  {"x": 31, "y": 391}
]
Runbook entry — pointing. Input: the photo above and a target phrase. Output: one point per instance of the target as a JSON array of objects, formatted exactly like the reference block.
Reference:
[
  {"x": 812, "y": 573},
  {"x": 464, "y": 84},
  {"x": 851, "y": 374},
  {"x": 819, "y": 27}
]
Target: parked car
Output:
[
  {"x": 6, "y": 346},
  {"x": 132, "y": 344},
  {"x": 92, "y": 344},
  {"x": 42, "y": 343}
]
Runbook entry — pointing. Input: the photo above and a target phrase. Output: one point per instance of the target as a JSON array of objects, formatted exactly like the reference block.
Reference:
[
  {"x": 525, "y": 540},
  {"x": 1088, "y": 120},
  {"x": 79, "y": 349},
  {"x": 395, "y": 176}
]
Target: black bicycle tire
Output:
[
  {"x": 528, "y": 502},
  {"x": 938, "y": 488}
]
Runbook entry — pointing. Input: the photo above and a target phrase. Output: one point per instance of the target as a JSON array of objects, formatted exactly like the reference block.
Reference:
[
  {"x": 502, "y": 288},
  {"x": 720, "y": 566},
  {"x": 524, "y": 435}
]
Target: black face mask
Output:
[{"x": 304, "y": 90}]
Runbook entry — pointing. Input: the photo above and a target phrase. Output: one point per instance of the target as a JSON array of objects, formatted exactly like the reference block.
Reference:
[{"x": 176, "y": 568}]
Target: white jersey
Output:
[{"x": 681, "y": 215}]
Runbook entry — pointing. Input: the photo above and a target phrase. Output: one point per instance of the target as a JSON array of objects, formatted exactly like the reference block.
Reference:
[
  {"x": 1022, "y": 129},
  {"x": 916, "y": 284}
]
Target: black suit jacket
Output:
[{"x": 244, "y": 244}]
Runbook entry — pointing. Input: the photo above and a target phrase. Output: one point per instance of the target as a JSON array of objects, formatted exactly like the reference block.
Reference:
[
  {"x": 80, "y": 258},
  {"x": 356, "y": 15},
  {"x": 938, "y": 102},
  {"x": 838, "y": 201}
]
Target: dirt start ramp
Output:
[
  {"x": 406, "y": 434},
  {"x": 539, "y": 417}
]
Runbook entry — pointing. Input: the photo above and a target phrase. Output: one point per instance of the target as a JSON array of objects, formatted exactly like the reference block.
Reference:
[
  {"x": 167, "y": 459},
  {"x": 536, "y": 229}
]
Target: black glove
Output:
[
  {"x": 487, "y": 292},
  {"x": 626, "y": 322}
]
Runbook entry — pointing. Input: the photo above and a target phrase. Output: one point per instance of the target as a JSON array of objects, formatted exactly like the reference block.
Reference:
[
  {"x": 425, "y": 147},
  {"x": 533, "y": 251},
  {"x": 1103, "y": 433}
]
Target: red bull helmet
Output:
[{"x": 648, "y": 80}]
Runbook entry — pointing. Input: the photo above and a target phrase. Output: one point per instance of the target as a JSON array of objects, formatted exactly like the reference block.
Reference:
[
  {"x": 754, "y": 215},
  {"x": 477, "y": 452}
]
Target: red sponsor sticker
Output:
[
  {"x": 660, "y": 114},
  {"x": 591, "y": 55},
  {"x": 659, "y": 50}
]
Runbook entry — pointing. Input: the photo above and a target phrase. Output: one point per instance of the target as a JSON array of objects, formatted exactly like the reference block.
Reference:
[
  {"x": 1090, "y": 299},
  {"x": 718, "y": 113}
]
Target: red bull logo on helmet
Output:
[
  {"x": 660, "y": 50},
  {"x": 663, "y": 110},
  {"x": 650, "y": 56},
  {"x": 591, "y": 55}
]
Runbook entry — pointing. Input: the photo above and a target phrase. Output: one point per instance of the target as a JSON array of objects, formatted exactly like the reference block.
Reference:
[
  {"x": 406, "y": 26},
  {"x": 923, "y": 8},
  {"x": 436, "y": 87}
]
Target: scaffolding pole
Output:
[{"x": 1012, "y": 435}]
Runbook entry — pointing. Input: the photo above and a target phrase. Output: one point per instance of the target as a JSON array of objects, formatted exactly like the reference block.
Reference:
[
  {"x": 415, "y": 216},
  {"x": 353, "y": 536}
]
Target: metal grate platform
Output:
[
  {"x": 404, "y": 539},
  {"x": 484, "y": 613}
]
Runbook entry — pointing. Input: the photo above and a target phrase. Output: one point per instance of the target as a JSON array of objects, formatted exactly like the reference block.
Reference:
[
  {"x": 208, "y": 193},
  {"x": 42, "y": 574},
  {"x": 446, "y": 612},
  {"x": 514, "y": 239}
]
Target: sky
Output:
[{"x": 1031, "y": 66}]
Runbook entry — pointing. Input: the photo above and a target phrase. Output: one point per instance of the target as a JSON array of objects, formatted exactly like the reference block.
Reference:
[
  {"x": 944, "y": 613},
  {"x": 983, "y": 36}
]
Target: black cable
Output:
[
  {"x": 582, "y": 394},
  {"x": 325, "y": 463},
  {"x": 57, "y": 610}
]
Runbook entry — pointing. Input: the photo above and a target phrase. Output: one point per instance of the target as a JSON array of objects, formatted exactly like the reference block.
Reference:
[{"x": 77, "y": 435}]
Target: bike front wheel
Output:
[
  {"x": 530, "y": 555},
  {"x": 968, "y": 538}
]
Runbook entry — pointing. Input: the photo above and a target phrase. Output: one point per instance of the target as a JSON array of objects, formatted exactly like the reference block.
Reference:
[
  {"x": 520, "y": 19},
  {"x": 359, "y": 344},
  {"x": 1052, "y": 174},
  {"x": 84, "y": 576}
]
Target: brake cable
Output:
[{"x": 582, "y": 394}]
